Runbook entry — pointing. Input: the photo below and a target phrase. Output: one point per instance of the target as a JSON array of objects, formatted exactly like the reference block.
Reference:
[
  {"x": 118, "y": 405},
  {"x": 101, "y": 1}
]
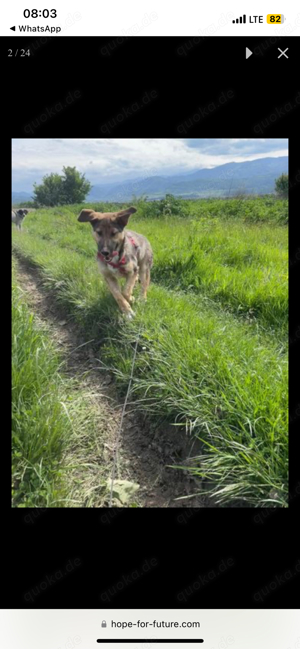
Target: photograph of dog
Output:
[
  {"x": 121, "y": 254},
  {"x": 17, "y": 217},
  {"x": 119, "y": 402}
]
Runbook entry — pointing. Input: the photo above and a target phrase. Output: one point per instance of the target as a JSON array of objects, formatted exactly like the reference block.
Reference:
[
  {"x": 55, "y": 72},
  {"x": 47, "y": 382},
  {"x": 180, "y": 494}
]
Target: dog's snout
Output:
[{"x": 105, "y": 252}]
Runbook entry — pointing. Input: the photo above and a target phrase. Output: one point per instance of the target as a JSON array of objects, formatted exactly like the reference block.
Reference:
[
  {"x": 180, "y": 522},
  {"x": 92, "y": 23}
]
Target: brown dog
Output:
[{"x": 120, "y": 254}]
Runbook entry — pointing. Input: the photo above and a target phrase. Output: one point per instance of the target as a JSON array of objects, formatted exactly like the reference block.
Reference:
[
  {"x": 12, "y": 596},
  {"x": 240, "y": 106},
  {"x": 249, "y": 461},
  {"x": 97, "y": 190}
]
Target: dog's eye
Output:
[
  {"x": 100, "y": 233},
  {"x": 114, "y": 232}
]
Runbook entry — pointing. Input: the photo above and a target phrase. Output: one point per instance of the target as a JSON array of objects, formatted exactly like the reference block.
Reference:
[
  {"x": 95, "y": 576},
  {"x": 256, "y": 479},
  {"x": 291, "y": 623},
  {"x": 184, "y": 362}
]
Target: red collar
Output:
[{"x": 114, "y": 254}]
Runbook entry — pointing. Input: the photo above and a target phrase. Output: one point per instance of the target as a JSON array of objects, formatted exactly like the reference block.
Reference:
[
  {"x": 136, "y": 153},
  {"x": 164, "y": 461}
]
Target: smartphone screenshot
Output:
[{"x": 153, "y": 157}]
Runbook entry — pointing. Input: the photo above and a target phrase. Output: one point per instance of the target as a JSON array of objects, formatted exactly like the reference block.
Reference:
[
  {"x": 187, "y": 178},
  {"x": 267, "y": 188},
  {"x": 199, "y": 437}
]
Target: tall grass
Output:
[
  {"x": 47, "y": 418},
  {"x": 242, "y": 266},
  {"x": 247, "y": 209}
]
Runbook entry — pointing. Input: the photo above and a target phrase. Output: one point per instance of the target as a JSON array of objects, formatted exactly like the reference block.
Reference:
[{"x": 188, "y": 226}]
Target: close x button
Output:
[{"x": 283, "y": 53}]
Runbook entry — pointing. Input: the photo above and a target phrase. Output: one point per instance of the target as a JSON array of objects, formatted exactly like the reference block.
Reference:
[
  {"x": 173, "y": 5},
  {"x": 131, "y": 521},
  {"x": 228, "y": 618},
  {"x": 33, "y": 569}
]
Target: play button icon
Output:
[{"x": 248, "y": 53}]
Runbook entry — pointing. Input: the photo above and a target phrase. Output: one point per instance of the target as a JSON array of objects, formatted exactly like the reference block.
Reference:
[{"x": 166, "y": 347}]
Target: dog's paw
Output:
[{"x": 129, "y": 315}]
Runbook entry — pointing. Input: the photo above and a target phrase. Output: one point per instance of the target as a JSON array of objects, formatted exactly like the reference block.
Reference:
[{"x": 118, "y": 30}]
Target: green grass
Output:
[
  {"x": 201, "y": 364},
  {"x": 54, "y": 427},
  {"x": 205, "y": 371},
  {"x": 247, "y": 209},
  {"x": 242, "y": 266}
]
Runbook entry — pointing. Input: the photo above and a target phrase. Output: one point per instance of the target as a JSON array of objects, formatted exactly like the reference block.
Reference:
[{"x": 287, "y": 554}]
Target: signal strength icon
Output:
[{"x": 241, "y": 19}]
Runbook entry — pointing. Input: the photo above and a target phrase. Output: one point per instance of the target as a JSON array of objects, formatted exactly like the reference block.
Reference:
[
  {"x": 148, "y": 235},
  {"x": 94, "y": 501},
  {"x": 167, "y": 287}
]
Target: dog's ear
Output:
[
  {"x": 86, "y": 215},
  {"x": 25, "y": 212},
  {"x": 123, "y": 216}
]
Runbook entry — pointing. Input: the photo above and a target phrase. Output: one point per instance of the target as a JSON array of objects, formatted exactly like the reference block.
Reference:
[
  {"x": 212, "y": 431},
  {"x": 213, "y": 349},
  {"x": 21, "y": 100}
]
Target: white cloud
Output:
[{"x": 111, "y": 160}]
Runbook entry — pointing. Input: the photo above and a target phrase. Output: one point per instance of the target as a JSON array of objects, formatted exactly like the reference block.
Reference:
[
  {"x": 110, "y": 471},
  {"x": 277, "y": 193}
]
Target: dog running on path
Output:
[{"x": 121, "y": 253}]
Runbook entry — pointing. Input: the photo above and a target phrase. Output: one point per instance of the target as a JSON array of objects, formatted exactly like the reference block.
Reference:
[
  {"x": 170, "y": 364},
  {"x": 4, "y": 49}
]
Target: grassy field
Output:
[
  {"x": 40, "y": 422},
  {"x": 212, "y": 357},
  {"x": 56, "y": 446}
]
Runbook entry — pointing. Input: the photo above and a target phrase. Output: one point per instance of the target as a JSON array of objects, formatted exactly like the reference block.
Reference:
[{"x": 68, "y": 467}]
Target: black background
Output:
[
  {"x": 185, "y": 548},
  {"x": 187, "y": 74}
]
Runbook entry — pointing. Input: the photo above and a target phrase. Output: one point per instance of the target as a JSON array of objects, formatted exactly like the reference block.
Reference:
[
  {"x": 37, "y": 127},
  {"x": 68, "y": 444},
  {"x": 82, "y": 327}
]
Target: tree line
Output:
[{"x": 72, "y": 187}]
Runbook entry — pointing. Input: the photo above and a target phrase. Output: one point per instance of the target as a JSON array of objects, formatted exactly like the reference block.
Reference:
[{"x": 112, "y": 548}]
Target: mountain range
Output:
[{"x": 254, "y": 177}]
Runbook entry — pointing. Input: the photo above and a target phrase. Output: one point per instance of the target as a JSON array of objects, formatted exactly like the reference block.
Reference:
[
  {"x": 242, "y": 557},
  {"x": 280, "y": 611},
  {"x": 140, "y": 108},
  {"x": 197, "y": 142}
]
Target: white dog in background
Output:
[{"x": 17, "y": 217}]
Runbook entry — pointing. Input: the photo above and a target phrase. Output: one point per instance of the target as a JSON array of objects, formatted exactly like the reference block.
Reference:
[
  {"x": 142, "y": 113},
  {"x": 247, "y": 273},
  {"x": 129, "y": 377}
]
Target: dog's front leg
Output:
[
  {"x": 129, "y": 286},
  {"x": 120, "y": 299},
  {"x": 145, "y": 281}
]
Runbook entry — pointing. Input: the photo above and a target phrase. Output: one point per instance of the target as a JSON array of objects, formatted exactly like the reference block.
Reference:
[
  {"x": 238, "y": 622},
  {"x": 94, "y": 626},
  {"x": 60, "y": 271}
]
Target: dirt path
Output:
[{"x": 145, "y": 449}]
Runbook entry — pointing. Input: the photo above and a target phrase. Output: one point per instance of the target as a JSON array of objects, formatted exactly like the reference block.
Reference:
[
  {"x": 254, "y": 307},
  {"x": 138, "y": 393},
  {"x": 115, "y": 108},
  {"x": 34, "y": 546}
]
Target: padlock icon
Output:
[{"x": 103, "y": 624}]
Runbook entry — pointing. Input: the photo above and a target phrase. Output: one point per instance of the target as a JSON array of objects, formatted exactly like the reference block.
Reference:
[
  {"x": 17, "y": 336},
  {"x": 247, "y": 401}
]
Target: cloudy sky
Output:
[{"x": 113, "y": 160}]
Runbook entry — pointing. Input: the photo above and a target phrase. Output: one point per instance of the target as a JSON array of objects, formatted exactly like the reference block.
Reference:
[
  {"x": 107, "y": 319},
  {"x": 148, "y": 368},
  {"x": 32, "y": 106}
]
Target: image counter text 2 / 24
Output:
[{"x": 18, "y": 52}]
